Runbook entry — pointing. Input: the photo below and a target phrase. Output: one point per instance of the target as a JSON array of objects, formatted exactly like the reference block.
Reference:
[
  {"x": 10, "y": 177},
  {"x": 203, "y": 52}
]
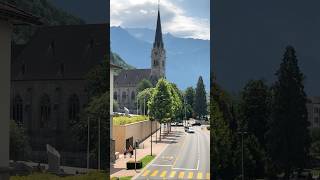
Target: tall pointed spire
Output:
[{"x": 158, "y": 42}]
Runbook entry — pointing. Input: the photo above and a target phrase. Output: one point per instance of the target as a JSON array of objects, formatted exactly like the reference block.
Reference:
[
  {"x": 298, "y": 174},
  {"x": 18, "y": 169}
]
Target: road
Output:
[{"x": 186, "y": 157}]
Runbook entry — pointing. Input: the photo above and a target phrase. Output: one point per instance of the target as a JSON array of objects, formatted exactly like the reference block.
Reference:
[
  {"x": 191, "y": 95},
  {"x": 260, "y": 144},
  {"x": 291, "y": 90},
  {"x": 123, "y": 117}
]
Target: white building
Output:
[{"x": 313, "y": 107}]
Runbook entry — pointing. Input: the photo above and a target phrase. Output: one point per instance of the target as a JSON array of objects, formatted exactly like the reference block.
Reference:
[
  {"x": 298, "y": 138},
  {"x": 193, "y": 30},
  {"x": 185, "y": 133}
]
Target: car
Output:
[
  {"x": 190, "y": 130},
  {"x": 196, "y": 124},
  {"x": 186, "y": 128},
  {"x": 179, "y": 124},
  {"x": 173, "y": 124}
]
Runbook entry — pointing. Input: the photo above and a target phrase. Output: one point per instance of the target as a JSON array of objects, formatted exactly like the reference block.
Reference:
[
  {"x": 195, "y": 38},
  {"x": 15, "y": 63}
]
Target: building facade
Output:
[
  {"x": 313, "y": 107},
  {"x": 48, "y": 87},
  {"x": 126, "y": 82}
]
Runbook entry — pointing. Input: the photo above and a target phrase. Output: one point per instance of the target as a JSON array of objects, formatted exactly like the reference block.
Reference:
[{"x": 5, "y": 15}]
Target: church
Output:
[
  {"x": 126, "y": 82},
  {"x": 48, "y": 86}
]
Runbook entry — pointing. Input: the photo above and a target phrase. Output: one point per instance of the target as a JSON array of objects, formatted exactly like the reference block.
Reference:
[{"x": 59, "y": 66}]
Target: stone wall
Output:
[{"x": 139, "y": 131}]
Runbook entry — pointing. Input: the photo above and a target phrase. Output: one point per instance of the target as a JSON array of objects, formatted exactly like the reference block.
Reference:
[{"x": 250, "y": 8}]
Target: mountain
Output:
[
  {"x": 187, "y": 58},
  {"x": 117, "y": 60},
  {"x": 49, "y": 14}
]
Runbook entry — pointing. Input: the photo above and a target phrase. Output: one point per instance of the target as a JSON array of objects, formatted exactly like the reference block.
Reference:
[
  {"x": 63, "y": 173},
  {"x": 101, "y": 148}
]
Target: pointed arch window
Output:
[
  {"x": 45, "y": 111},
  {"x": 74, "y": 108},
  {"x": 133, "y": 95},
  {"x": 18, "y": 109},
  {"x": 124, "y": 96},
  {"x": 115, "y": 96}
]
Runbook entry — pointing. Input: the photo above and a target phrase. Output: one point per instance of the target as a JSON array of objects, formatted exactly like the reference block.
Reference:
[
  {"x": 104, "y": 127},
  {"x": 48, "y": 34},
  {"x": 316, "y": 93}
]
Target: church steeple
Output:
[
  {"x": 158, "y": 54},
  {"x": 158, "y": 42}
]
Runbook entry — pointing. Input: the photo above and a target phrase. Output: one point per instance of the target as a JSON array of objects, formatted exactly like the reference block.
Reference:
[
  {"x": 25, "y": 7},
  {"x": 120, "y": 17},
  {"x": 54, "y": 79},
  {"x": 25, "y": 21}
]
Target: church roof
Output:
[
  {"x": 16, "y": 15},
  {"x": 61, "y": 52},
  {"x": 158, "y": 42},
  {"x": 131, "y": 77}
]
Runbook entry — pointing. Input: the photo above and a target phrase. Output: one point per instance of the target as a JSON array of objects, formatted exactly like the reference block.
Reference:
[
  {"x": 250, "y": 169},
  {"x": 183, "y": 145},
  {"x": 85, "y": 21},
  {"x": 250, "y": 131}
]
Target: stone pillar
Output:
[{"x": 5, "y": 66}]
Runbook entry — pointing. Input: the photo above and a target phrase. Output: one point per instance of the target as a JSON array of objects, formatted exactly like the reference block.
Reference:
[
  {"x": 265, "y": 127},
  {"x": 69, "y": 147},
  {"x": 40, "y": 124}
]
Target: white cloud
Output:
[{"x": 143, "y": 13}]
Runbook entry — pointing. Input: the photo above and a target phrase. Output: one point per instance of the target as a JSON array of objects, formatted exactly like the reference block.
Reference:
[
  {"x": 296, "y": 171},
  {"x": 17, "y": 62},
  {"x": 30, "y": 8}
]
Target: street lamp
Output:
[{"x": 242, "y": 133}]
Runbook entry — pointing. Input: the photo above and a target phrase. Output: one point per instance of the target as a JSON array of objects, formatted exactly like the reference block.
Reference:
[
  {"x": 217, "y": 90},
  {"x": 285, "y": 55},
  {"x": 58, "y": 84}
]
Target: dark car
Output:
[{"x": 196, "y": 124}]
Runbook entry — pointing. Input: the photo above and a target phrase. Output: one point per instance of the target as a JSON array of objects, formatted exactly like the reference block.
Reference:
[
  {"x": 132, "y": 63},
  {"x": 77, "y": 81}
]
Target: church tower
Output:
[{"x": 158, "y": 54}]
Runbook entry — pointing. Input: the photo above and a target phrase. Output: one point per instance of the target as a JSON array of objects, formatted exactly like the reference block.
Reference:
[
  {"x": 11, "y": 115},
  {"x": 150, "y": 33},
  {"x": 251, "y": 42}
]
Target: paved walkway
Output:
[{"x": 118, "y": 169}]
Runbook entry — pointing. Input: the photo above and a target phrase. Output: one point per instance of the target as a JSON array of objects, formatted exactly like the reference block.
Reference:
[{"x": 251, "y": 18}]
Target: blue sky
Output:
[{"x": 182, "y": 18}]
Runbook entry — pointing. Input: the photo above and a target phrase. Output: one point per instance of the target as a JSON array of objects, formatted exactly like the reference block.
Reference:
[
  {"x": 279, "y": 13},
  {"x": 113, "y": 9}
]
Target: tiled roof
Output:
[
  {"x": 131, "y": 77},
  {"x": 9, "y": 11},
  {"x": 62, "y": 52}
]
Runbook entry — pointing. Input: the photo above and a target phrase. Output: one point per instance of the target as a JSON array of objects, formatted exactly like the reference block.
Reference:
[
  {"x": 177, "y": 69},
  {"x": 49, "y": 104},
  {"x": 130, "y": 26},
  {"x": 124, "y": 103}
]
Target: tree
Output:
[
  {"x": 160, "y": 104},
  {"x": 145, "y": 96},
  {"x": 254, "y": 109},
  {"x": 200, "y": 101},
  {"x": 288, "y": 136},
  {"x": 222, "y": 141},
  {"x": 20, "y": 148},
  {"x": 190, "y": 96},
  {"x": 143, "y": 84}
]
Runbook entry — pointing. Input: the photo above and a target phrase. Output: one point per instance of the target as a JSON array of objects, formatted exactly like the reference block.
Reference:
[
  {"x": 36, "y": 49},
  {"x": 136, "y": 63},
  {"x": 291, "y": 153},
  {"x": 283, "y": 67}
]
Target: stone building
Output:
[
  {"x": 126, "y": 82},
  {"x": 48, "y": 86},
  {"x": 313, "y": 107},
  {"x": 10, "y": 16}
]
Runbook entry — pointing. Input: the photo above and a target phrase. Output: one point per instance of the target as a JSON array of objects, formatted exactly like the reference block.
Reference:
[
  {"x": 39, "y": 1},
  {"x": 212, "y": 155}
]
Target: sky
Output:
[
  {"x": 250, "y": 37},
  {"x": 92, "y": 11},
  {"x": 182, "y": 18}
]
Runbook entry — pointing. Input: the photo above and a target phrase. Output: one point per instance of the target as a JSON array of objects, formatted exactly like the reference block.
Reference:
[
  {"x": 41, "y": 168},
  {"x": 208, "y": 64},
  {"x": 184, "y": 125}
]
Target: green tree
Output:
[
  {"x": 145, "y": 96},
  {"x": 288, "y": 136},
  {"x": 200, "y": 101},
  {"x": 160, "y": 105},
  {"x": 189, "y": 97},
  {"x": 222, "y": 141},
  {"x": 254, "y": 109},
  {"x": 143, "y": 84},
  {"x": 20, "y": 148}
]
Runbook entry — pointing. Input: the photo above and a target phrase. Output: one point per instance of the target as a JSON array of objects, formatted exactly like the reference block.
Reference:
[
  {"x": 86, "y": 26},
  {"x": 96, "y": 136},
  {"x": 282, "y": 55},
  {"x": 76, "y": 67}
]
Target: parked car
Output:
[
  {"x": 173, "y": 124},
  {"x": 186, "y": 128},
  {"x": 190, "y": 130},
  {"x": 179, "y": 124},
  {"x": 196, "y": 124}
]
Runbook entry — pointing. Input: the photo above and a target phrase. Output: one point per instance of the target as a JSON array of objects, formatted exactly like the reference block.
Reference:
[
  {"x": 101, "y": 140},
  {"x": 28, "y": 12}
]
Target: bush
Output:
[
  {"x": 131, "y": 165},
  {"x": 122, "y": 120},
  {"x": 45, "y": 176}
]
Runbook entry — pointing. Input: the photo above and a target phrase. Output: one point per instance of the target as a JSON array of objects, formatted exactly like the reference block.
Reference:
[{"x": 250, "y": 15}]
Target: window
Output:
[
  {"x": 124, "y": 96},
  {"x": 115, "y": 96},
  {"x": 23, "y": 69},
  {"x": 18, "y": 110},
  {"x": 62, "y": 68},
  {"x": 74, "y": 108},
  {"x": 45, "y": 111},
  {"x": 133, "y": 95}
]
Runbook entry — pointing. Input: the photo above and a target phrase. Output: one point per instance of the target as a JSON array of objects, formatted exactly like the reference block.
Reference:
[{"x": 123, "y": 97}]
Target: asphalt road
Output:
[{"x": 186, "y": 157}]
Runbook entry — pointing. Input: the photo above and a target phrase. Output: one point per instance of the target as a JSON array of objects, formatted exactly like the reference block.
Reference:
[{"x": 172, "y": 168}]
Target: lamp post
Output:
[
  {"x": 242, "y": 133},
  {"x": 99, "y": 150},
  {"x": 88, "y": 144}
]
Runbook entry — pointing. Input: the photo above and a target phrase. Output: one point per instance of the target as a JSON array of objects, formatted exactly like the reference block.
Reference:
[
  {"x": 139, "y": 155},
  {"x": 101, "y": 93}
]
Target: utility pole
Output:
[
  {"x": 88, "y": 145},
  {"x": 144, "y": 106},
  {"x": 137, "y": 105},
  {"x": 151, "y": 137},
  {"x": 99, "y": 150},
  {"x": 242, "y": 133}
]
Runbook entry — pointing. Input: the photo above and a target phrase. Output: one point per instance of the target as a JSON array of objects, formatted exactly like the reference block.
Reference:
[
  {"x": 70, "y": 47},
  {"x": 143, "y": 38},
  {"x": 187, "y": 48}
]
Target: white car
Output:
[{"x": 190, "y": 130}]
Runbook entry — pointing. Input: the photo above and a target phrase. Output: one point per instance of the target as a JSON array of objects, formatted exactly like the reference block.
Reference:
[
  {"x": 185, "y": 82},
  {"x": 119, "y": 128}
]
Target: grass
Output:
[
  {"x": 122, "y": 178},
  {"x": 146, "y": 160},
  {"x": 122, "y": 120},
  {"x": 47, "y": 176}
]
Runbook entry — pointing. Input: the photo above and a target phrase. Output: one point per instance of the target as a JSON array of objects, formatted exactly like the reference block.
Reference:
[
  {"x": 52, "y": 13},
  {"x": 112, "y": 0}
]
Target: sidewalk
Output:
[{"x": 118, "y": 169}]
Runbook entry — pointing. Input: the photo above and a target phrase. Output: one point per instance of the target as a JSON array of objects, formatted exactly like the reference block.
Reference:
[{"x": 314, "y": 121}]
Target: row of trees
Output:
[
  {"x": 275, "y": 120},
  {"x": 193, "y": 102}
]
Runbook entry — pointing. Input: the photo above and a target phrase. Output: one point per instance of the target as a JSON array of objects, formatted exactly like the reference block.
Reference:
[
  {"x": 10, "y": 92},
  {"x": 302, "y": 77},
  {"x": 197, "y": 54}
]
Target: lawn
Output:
[
  {"x": 47, "y": 176},
  {"x": 145, "y": 160},
  {"x": 122, "y": 120},
  {"x": 122, "y": 178}
]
